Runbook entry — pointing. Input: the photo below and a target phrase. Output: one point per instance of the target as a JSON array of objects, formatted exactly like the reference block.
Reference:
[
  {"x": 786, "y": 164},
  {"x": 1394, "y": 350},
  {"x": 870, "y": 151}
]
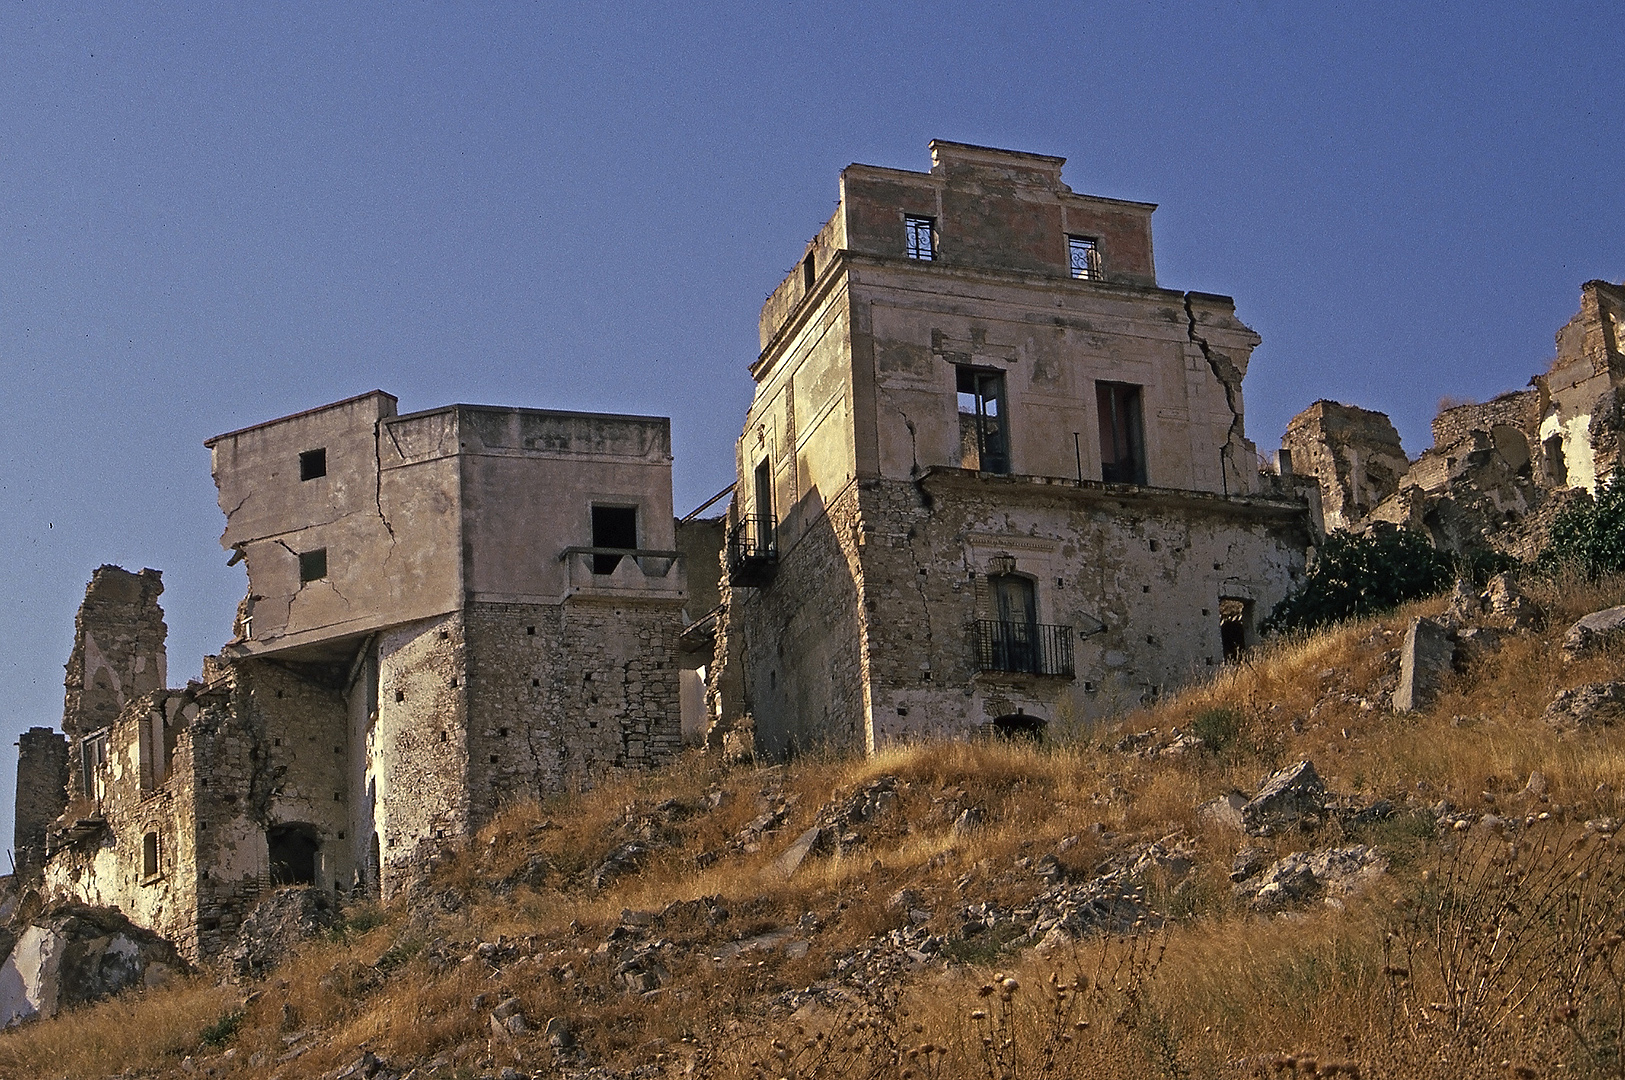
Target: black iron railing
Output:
[
  {"x": 753, "y": 549},
  {"x": 1030, "y": 648}
]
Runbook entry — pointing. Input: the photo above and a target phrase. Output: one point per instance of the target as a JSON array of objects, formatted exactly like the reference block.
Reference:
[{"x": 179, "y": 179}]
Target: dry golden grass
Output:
[{"x": 1217, "y": 992}]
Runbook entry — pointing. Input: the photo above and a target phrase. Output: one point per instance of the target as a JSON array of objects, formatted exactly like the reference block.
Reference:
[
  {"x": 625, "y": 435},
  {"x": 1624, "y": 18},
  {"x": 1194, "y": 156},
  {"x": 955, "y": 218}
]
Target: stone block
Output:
[
  {"x": 1592, "y": 705},
  {"x": 1286, "y": 798},
  {"x": 1424, "y": 659},
  {"x": 1593, "y": 630}
]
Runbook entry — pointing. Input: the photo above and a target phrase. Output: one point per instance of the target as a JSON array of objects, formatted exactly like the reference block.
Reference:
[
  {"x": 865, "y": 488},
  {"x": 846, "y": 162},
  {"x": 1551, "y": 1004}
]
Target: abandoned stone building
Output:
[
  {"x": 446, "y": 610},
  {"x": 1498, "y": 470},
  {"x": 994, "y": 476}
]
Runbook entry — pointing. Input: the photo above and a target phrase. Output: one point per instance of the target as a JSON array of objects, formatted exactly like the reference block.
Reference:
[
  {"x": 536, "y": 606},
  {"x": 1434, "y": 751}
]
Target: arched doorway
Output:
[{"x": 293, "y": 850}]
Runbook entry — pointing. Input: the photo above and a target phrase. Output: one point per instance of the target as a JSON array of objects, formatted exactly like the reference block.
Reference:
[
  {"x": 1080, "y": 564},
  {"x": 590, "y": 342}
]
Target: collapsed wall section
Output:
[
  {"x": 118, "y": 648},
  {"x": 42, "y": 795}
]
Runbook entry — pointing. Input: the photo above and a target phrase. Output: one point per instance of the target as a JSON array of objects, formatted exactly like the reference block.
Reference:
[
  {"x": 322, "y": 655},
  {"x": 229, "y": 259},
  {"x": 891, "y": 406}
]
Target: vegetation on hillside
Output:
[
  {"x": 1362, "y": 573},
  {"x": 1491, "y": 947},
  {"x": 1588, "y": 536}
]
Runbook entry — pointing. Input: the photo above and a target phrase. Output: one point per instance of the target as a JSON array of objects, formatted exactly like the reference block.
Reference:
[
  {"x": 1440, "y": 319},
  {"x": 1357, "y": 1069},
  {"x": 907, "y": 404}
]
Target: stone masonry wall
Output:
[
  {"x": 797, "y": 640},
  {"x": 417, "y": 772},
  {"x": 563, "y": 696},
  {"x": 42, "y": 794},
  {"x": 1138, "y": 577},
  {"x": 1519, "y": 409}
]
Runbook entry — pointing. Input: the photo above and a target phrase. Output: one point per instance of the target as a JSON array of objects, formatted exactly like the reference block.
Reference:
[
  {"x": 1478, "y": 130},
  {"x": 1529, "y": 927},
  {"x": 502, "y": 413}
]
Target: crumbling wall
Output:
[
  {"x": 900, "y": 580},
  {"x": 1354, "y": 454},
  {"x": 118, "y": 648},
  {"x": 564, "y": 695},
  {"x": 417, "y": 777},
  {"x": 42, "y": 795}
]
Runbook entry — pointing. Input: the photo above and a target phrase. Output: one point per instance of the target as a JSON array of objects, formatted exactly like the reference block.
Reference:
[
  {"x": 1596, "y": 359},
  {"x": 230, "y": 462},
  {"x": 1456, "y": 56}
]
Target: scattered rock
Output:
[
  {"x": 1424, "y": 658},
  {"x": 1464, "y": 604},
  {"x": 1592, "y": 631},
  {"x": 623, "y": 860},
  {"x": 559, "y": 1035},
  {"x": 276, "y": 925},
  {"x": 789, "y": 862},
  {"x": 1302, "y": 876},
  {"x": 1248, "y": 861},
  {"x": 969, "y": 820},
  {"x": 1506, "y": 601},
  {"x": 1285, "y": 798},
  {"x": 72, "y": 954},
  {"x": 1224, "y": 810},
  {"x": 1592, "y": 705},
  {"x": 1475, "y": 643}
]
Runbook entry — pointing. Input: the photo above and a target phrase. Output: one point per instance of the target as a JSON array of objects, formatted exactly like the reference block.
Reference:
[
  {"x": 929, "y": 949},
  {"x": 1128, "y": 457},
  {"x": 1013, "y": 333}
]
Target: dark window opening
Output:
[
  {"x": 921, "y": 241},
  {"x": 1019, "y": 727},
  {"x": 613, "y": 527},
  {"x": 1085, "y": 257},
  {"x": 984, "y": 439},
  {"x": 149, "y": 855},
  {"x": 763, "y": 525},
  {"x": 1235, "y": 627},
  {"x": 809, "y": 273},
  {"x": 1122, "y": 433},
  {"x": 312, "y": 565},
  {"x": 313, "y": 463},
  {"x": 1556, "y": 467},
  {"x": 293, "y": 850}
]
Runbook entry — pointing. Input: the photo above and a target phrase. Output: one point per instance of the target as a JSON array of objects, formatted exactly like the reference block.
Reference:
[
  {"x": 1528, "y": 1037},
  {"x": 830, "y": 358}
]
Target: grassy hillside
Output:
[{"x": 994, "y": 910}]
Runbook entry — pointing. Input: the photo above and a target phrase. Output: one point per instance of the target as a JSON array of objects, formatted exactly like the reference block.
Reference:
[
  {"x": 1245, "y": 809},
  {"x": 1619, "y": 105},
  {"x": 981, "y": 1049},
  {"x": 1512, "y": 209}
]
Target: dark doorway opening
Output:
[
  {"x": 1019, "y": 727},
  {"x": 1235, "y": 627},
  {"x": 613, "y": 527},
  {"x": 293, "y": 850}
]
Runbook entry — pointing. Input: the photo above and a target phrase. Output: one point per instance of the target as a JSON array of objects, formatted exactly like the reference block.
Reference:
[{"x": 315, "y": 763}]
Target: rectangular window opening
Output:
[
  {"x": 1122, "y": 433},
  {"x": 313, "y": 463},
  {"x": 1084, "y": 253},
  {"x": 613, "y": 527},
  {"x": 921, "y": 237},
  {"x": 312, "y": 565},
  {"x": 984, "y": 439},
  {"x": 149, "y": 855},
  {"x": 809, "y": 274}
]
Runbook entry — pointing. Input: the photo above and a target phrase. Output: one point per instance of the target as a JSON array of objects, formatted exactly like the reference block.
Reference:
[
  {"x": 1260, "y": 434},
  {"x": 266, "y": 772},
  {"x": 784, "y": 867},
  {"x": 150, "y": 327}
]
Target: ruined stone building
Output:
[
  {"x": 1497, "y": 471},
  {"x": 994, "y": 476},
  {"x": 446, "y": 610}
]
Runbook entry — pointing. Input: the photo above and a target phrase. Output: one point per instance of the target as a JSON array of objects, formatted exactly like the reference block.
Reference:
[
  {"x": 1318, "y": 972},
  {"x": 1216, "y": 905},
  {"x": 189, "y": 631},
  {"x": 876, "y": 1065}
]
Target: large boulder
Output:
[
  {"x": 1592, "y": 630},
  {"x": 1286, "y": 798},
  {"x": 1592, "y": 705},
  {"x": 279, "y": 922},
  {"x": 73, "y": 954},
  {"x": 1424, "y": 659}
]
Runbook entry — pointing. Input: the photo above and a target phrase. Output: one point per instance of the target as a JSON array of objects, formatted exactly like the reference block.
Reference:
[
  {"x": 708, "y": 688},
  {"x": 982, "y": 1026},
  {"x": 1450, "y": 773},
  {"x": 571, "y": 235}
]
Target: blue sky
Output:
[{"x": 211, "y": 215}]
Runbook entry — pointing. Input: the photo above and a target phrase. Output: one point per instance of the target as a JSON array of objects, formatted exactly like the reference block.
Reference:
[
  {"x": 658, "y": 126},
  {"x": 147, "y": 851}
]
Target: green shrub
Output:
[
  {"x": 1362, "y": 573},
  {"x": 1589, "y": 535},
  {"x": 222, "y": 1031},
  {"x": 1217, "y": 728}
]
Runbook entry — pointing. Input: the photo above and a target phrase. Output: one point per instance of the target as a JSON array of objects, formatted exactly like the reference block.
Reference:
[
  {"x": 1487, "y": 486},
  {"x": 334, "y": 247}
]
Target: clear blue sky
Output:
[{"x": 215, "y": 214}]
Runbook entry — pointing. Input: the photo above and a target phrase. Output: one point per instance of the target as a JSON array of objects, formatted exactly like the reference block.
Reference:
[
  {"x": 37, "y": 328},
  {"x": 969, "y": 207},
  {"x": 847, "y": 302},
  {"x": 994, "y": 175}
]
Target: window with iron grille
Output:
[
  {"x": 1085, "y": 254},
  {"x": 920, "y": 232},
  {"x": 984, "y": 437}
]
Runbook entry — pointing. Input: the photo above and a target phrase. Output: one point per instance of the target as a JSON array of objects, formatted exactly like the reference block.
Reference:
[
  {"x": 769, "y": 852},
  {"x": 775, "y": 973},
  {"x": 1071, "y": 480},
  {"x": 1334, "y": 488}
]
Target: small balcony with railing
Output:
[
  {"x": 1023, "y": 648},
  {"x": 753, "y": 550}
]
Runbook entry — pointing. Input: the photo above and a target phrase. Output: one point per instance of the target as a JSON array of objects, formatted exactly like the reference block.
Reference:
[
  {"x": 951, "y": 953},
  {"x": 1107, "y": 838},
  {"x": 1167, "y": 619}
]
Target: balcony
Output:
[
  {"x": 631, "y": 572},
  {"x": 753, "y": 551},
  {"x": 1023, "y": 648}
]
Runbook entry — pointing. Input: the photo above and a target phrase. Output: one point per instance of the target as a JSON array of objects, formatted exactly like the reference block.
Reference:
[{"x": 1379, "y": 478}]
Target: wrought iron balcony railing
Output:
[
  {"x": 1029, "y": 648},
  {"x": 753, "y": 550}
]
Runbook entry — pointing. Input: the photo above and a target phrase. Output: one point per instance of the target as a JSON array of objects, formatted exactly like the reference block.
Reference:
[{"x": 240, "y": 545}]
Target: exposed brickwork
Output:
[
  {"x": 1519, "y": 410},
  {"x": 1354, "y": 454}
]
